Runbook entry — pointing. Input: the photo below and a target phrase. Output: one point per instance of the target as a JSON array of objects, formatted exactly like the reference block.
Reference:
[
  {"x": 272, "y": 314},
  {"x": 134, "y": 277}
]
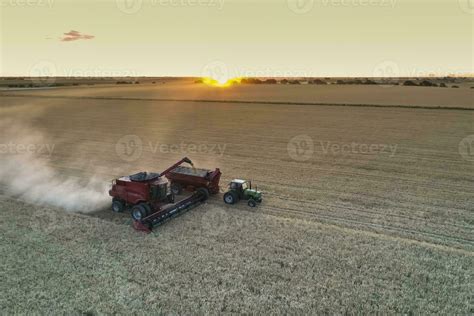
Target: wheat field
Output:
[{"x": 367, "y": 208}]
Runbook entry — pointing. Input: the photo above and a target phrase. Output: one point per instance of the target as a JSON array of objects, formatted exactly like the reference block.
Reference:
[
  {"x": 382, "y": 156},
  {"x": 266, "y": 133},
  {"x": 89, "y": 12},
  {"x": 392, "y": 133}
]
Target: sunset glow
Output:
[
  {"x": 291, "y": 38},
  {"x": 221, "y": 82}
]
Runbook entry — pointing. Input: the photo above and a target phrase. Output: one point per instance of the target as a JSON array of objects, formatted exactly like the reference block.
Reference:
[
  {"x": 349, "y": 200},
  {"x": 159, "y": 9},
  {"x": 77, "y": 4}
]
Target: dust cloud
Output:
[{"x": 25, "y": 172}]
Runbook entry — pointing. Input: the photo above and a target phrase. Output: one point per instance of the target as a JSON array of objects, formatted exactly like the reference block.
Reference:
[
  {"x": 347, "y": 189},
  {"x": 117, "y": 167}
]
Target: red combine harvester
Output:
[{"x": 150, "y": 198}]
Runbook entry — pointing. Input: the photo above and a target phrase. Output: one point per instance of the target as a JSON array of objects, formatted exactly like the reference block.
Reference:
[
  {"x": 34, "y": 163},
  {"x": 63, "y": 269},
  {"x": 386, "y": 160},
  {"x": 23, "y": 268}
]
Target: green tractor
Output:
[{"x": 242, "y": 190}]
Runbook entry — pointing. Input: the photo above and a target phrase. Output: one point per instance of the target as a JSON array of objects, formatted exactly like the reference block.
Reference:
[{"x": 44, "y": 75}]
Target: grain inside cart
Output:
[{"x": 191, "y": 179}]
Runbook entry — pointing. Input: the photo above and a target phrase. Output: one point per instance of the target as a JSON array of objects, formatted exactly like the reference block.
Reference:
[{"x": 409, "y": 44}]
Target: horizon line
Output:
[{"x": 283, "y": 77}]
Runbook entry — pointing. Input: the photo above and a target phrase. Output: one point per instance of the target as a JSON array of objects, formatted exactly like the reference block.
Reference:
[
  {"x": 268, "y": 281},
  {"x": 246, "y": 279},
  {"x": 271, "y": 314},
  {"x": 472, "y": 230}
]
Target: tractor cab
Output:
[
  {"x": 242, "y": 190},
  {"x": 240, "y": 185}
]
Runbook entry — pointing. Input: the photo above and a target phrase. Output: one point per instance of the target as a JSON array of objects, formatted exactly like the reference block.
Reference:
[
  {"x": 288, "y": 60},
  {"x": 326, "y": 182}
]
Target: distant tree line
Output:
[
  {"x": 128, "y": 82},
  {"x": 350, "y": 81}
]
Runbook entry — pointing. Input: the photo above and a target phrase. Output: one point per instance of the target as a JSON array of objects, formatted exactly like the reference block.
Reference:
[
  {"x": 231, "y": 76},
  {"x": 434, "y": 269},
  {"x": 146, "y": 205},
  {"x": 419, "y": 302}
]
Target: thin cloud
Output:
[{"x": 75, "y": 36}]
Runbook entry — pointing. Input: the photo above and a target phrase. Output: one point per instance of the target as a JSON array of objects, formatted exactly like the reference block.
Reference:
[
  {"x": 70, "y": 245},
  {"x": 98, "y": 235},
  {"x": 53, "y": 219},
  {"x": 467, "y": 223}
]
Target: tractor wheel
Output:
[
  {"x": 252, "y": 203},
  {"x": 176, "y": 188},
  {"x": 118, "y": 206},
  {"x": 203, "y": 193},
  {"x": 138, "y": 212},
  {"x": 230, "y": 197}
]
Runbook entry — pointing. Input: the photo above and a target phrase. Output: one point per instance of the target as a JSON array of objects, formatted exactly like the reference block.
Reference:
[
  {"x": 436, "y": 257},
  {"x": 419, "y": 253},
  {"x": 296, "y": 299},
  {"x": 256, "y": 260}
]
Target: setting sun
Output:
[{"x": 221, "y": 82}]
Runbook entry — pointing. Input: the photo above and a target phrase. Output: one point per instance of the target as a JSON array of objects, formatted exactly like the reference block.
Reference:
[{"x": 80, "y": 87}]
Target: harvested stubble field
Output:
[{"x": 375, "y": 216}]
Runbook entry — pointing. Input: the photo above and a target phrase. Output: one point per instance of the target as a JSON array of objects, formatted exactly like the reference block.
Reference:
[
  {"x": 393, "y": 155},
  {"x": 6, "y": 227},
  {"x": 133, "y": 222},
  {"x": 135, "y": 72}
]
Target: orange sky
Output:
[{"x": 236, "y": 38}]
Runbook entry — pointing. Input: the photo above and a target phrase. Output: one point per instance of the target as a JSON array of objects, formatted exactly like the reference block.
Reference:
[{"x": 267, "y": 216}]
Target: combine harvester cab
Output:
[{"x": 143, "y": 192}]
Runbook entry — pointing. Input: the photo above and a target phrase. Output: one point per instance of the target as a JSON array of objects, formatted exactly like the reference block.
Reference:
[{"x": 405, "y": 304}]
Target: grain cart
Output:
[
  {"x": 191, "y": 179},
  {"x": 242, "y": 190}
]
